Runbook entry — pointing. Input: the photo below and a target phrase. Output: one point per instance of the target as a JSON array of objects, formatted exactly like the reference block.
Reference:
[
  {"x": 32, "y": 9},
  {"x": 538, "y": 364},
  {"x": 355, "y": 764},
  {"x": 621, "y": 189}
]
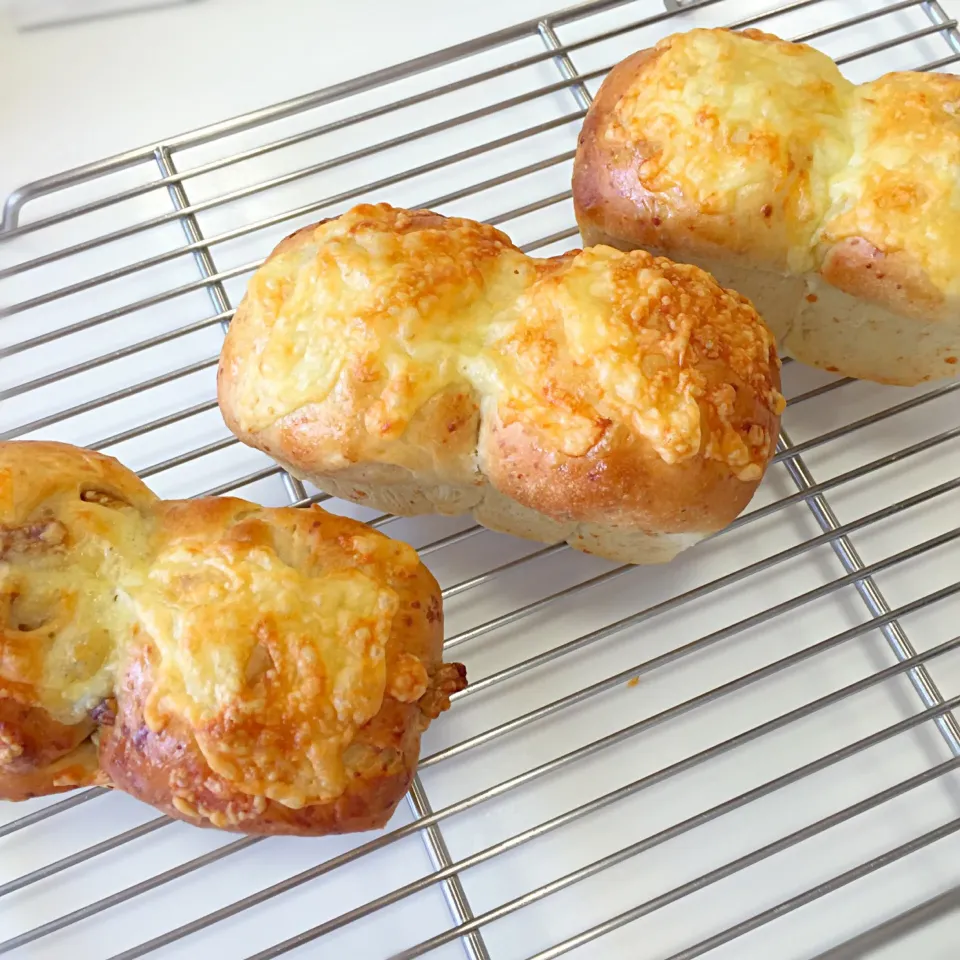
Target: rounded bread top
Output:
[{"x": 381, "y": 310}]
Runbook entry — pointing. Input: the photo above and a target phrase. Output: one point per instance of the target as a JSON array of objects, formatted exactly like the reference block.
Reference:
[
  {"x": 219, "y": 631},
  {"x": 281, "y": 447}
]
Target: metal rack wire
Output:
[{"x": 649, "y": 735}]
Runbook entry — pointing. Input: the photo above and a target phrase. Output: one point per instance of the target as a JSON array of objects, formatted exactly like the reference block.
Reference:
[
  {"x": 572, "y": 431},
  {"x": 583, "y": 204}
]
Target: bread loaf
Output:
[
  {"x": 835, "y": 208},
  {"x": 258, "y": 670},
  {"x": 416, "y": 363}
]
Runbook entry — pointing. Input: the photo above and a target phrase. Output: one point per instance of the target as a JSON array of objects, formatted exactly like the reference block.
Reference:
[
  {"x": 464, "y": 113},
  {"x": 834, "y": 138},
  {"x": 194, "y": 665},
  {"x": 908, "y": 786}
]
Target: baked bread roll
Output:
[
  {"x": 835, "y": 208},
  {"x": 415, "y": 363},
  {"x": 257, "y": 670}
]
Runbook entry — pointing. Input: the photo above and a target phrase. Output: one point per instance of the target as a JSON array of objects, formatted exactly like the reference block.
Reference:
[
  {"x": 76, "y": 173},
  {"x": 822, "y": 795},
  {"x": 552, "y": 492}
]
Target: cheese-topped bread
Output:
[
  {"x": 835, "y": 208},
  {"x": 413, "y": 362},
  {"x": 261, "y": 670}
]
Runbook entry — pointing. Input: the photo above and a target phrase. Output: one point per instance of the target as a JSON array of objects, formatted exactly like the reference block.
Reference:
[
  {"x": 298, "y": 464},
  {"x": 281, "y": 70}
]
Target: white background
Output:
[{"x": 73, "y": 94}]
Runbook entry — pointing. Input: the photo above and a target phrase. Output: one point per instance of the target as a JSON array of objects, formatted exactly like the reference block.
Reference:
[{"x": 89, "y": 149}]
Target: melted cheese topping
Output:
[
  {"x": 65, "y": 573},
  {"x": 765, "y": 150},
  {"x": 274, "y": 667},
  {"x": 395, "y": 306},
  {"x": 412, "y": 310},
  {"x": 740, "y": 127},
  {"x": 901, "y": 189},
  {"x": 267, "y": 631},
  {"x": 637, "y": 332}
]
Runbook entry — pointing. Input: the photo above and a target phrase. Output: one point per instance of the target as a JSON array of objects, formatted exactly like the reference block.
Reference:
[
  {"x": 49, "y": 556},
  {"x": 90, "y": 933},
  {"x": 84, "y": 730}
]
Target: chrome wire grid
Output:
[{"x": 649, "y": 763}]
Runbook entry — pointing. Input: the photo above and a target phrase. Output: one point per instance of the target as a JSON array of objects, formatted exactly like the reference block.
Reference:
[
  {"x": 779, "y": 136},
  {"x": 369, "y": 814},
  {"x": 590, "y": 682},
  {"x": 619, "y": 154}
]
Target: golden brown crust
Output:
[
  {"x": 259, "y": 670},
  {"x": 39, "y": 756},
  {"x": 857, "y": 267},
  {"x": 667, "y": 150},
  {"x": 30, "y": 737},
  {"x": 79, "y": 768},
  {"x": 612, "y": 482},
  {"x": 609, "y": 197},
  {"x": 167, "y": 769},
  {"x": 396, "y": 357},
  {"x": 896, "y": 205},
  {"x": 699, "y": 149}
]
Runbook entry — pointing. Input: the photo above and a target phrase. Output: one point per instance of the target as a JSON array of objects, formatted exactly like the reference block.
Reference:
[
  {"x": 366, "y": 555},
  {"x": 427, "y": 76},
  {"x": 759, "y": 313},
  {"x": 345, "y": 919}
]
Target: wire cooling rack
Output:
[{"x": 749, "y": 753}]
